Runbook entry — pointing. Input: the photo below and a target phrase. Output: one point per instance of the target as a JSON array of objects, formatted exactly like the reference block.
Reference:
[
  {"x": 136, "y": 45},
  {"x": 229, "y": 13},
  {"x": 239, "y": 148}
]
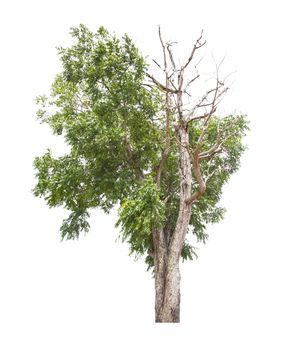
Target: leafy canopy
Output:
[{"x": 115, "y": 128}]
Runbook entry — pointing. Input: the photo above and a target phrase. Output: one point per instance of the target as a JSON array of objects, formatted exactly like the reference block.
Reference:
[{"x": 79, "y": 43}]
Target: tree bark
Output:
[
  {"x": 166, "y": 257},
  {"x": 167, "y": 281},
  {"x": 160, "y": 264},
  {"x": 167, "y": 306}
]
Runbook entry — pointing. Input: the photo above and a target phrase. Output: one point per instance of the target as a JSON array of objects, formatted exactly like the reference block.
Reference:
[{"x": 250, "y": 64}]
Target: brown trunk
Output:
[
  {"x": 166, "y": 258},
  {"x": 160, "y": 265},
  {"x": 168, "y": 306},
  {"x": 167, "y": 282}
]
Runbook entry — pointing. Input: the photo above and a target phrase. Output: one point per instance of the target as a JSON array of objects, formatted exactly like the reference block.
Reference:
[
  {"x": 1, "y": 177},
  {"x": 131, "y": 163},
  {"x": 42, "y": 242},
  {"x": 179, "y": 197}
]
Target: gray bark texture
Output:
[{"x": 166, "y": 257}]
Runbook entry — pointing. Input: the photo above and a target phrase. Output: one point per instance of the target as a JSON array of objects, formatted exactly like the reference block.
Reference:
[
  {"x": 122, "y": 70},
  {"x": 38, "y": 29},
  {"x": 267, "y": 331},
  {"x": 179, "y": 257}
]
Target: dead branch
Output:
[
  {"x": 213, "y": 106},
  {"x": 160, "y": 85},
  {"x": 163, "y": 48},
  {"x": 192, "y": 81},
  {"x": 219, "y": 91},
  {"x": 171, "y": 57},
  {"x": 173, "y": 95},
  {"x": 209, "y": 175},
  {"x": 216, "y": 148},
  {"x": 166, "y": 150},
  {"x": 196, "y": 46},
  {"x": 157, "y": 64}
]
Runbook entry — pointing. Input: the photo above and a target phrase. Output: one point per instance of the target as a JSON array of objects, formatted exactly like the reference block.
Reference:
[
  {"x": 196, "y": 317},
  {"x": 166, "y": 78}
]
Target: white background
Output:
[{"x": 89, "y": 294}]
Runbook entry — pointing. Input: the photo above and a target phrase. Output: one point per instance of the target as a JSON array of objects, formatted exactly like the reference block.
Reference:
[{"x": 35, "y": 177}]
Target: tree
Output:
[{"x": 141, "y": 144}]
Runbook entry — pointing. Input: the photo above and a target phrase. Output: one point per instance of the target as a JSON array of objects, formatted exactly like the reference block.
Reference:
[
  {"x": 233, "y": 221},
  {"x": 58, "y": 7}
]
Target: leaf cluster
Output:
[{"x": 139, "y": 214}]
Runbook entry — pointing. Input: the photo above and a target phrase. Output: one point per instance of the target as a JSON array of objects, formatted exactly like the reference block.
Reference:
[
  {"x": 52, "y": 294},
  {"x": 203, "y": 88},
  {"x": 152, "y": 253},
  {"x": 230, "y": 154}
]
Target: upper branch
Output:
[
  {"x": 166, "y": 149},
  {"x": 171, "y": 56},
  {"x": 196, "y": 46},
  {"x": 205, "y": 101},
  {"x": 163, "y": 48}
]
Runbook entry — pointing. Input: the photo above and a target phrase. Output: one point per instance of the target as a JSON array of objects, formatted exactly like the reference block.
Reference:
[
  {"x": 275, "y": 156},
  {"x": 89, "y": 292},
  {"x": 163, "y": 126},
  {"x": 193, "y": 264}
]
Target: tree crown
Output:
[{"x": 115, "y": 124}]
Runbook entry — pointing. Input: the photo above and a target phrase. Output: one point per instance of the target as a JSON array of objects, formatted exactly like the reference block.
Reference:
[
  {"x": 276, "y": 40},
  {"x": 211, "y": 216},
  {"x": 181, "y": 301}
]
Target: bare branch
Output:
[
  {"x": 148, "y": 85},
  {"x": 216, "y": 148},
  {"x": 195, "y": 78},
  {"x": 163, "y": 48},
  {"x": 186, "y": 92},
  {"x": 166, "y": 149},
  {"x": 160, "y": 85},
  {"x": 171, "y": 56},
  {"x": 192, "y": 81},
  {"x": 196, "y": 46},
  {"x": 217, "y": 92},
  {"x": 208, "y": 156},
  {"x": 200, "y": 116},
  {"x": 157, "y": 64},
  {"x": 206, "y": 122},
  {"x": 180, "y": 80},
  {"x": 172, "y": 83},
  {"x": 200, "y": 104},
  {"x": 218, "y": 65},
  {"x": 208, "y": 177}
]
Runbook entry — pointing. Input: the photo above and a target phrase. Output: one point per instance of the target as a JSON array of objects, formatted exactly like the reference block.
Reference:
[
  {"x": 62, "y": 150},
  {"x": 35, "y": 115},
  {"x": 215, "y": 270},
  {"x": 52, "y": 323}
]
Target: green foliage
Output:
[
  {"x": 232, "y": 130},
  {"x": 97, "y": 103},
  {"x": 115, "y": 129},
  {"x": 188, "y": 252},
  {"x": 76, "y": 222},
  {"x": 139, "y": 214}
]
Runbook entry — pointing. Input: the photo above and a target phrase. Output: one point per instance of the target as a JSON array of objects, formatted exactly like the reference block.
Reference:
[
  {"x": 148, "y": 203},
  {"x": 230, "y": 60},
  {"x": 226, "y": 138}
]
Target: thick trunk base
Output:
[
  {"x": 172, "y": 317},
  {"x": 167, "y": 308}
]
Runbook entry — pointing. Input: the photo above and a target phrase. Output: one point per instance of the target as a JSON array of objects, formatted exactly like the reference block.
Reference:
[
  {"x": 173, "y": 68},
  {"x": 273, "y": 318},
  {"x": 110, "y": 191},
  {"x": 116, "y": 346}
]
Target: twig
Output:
[{"x": 195, "y": 47}]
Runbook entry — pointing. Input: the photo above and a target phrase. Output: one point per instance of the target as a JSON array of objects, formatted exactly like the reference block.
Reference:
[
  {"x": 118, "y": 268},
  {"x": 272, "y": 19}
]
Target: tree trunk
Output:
[
  {"x": 160, "y": 267},
  {"x": 167, "y": 306},
  {"x": 167, "y": 281},
  {"x": 166, "y": 257}
]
